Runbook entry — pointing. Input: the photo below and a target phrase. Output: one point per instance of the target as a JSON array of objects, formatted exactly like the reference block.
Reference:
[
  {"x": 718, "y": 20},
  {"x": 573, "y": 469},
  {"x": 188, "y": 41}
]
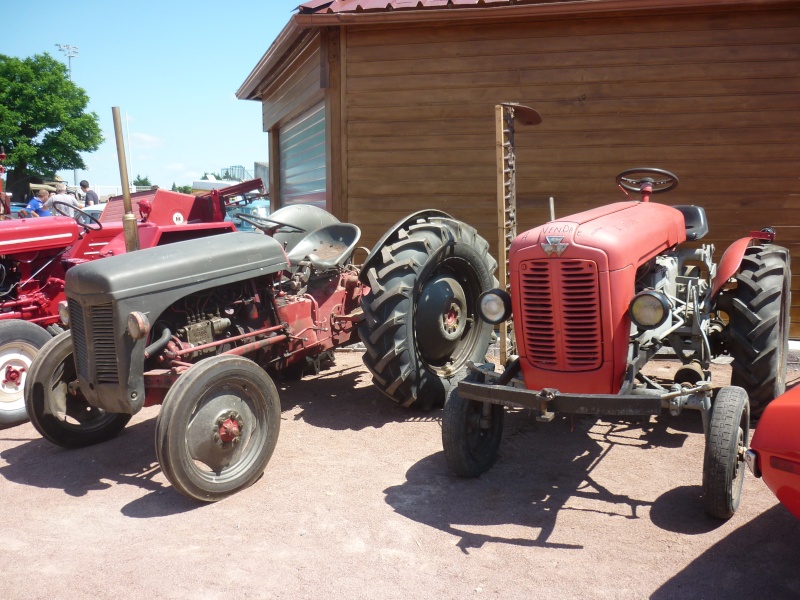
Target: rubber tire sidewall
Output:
[
  {"x": 397, "y": 345},
  {"x": 759, "y": 358},
  {"x": 14, "y": 413},
  {"x": 174, "y": 417},
  {"x": 721, "y": 492},
  {"x": 460, "y": 458},
  {"x": 37, "y": 387}
]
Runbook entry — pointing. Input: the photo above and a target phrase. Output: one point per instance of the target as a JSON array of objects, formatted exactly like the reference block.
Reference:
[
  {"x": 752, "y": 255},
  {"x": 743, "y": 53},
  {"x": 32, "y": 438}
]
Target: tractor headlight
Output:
[
  {"x": 63, "y": 312},
  {"x": 138, "y": 325},
  {"x": 494, "y": 306},
  {"x": 649, "y": 309}
]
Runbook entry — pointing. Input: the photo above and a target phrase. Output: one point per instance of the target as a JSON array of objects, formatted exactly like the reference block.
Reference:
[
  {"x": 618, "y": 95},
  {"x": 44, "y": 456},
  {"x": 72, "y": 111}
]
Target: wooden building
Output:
[{"x": 377, "y": 108}]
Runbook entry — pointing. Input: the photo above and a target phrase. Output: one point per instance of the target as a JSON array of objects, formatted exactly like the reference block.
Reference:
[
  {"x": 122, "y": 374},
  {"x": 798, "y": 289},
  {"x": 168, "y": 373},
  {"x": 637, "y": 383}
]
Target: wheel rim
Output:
[
  {"x": 444, "y": 321},
  {"x": 15, "y": 362},
  {"x": 225, "y": 432}
]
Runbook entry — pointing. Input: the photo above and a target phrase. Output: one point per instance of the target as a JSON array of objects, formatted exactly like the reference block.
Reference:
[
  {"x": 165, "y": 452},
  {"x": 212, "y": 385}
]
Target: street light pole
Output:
[{"x": 70, "y": 51}]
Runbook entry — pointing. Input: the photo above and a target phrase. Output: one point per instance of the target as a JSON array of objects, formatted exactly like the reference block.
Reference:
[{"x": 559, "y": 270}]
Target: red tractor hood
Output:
[
  {"x": 33, "y": 235},
  {"x": 626, "y": 233}
]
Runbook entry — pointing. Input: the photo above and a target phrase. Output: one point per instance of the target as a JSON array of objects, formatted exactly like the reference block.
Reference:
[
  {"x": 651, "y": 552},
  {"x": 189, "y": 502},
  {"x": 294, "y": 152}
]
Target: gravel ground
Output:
[{"x": 357, "y": 502}]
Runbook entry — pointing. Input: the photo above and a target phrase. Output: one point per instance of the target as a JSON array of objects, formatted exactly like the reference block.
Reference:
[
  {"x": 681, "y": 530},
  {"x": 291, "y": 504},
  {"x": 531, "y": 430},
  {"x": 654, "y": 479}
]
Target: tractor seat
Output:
[
  {"x": 327, "y": 247},
  {"x": 694, "y": 217}
]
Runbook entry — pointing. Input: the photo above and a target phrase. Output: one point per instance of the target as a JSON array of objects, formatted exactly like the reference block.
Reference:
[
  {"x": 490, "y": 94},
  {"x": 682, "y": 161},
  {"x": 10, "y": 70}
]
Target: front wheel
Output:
[
  {"x": 218, "y": 428},
  {"x": 55, "y": 404},
  {"x": 421, "y": 324},
  {"x": 726, "y": 444},
  {"x": 20, "y": 341},
  {"x": 471, "y": 432}
]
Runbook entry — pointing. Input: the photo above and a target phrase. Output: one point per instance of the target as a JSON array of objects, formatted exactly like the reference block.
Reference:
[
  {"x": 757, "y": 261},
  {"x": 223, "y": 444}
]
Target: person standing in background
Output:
[
  {"x": 91, "y": 195},
  {"x": 38, "y": 205},
  {"x": 62, "y": 196}
]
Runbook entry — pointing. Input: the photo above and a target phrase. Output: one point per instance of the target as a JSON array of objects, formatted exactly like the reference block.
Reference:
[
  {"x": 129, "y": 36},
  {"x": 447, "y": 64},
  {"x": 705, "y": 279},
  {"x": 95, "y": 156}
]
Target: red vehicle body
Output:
[
  {"x": 774, "y": 453},
  {"x": 594, "y": 296}
]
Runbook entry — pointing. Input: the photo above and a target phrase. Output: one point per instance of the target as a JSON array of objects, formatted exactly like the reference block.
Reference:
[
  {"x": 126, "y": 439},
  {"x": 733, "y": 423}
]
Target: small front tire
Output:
[
  {"x": 57, "y": 408},
  {"x": 726, "y": 444},
  {"x": 218, "y": 428},
  {"x": 471, "y": 432}
]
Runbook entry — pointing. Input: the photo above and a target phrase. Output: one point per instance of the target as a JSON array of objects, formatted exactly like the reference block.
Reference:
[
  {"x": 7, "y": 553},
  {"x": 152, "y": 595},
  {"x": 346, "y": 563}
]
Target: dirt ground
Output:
[{"x": 357, "y": 502}]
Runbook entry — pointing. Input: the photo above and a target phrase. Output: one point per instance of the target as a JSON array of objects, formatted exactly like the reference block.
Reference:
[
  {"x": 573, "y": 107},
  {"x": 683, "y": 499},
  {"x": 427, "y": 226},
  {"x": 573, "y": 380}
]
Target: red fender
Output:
[{"x": 730, "y": 262}]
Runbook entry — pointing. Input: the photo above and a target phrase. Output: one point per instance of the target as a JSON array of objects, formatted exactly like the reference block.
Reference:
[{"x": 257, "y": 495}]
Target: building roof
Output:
[{"x": 345, "y": 6}]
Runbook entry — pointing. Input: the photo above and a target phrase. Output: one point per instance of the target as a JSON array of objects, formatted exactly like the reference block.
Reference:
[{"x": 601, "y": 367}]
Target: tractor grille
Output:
[
  {"x": 561, "y": 315},
  {"x": 95, "y": 324}
]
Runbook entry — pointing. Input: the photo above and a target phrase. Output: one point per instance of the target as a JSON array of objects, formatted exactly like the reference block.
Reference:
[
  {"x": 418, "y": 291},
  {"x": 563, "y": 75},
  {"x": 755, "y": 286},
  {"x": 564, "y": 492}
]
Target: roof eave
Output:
[
  {"x": 567, "y": 7},
  {"x": 285, "y": 40}
]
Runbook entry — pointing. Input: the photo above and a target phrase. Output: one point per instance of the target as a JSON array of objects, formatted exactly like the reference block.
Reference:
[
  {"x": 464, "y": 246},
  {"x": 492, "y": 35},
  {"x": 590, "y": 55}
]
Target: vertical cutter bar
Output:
[{"x": 506, "y": 208}]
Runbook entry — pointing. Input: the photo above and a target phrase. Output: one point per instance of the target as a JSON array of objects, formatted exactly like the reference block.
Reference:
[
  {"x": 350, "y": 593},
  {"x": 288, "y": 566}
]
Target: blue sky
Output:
[{"x": 172, "y": 66}]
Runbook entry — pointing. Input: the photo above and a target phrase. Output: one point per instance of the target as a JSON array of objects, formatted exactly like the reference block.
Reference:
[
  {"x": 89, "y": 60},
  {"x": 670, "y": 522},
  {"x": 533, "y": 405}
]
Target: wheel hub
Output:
[
  {"x": 13, "y": 376},
  {"x": 228, "y": 429},
  {"x": 441, "y": 317}
]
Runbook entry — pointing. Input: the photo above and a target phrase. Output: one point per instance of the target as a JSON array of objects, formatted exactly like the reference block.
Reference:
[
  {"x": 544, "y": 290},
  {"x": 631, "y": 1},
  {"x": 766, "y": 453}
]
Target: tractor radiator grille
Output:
[
  {"x": 78, "y": 329},
  {"x": 561, "y": 314},
  {"x": 97, "y": 325}
]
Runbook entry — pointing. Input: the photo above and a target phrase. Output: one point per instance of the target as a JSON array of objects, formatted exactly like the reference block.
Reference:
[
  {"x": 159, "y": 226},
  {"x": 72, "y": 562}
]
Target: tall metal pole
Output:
[
  {"x": 129, "y": 227},
  {"x": 70, "y": 51},
  {"x": 505, "y": 152}
]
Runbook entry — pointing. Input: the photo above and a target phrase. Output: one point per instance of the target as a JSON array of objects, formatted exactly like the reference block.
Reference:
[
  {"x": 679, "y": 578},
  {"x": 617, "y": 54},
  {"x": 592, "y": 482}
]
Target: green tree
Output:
[
  {"x": 183, "y": 189},
  {"x": 44, "y": 124},
  {"x": 142, "y": 181}
]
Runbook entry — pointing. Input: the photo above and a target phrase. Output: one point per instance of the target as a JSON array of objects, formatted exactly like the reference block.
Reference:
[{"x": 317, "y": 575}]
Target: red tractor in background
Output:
[
  {"x": 595, "y": 295},
  {"x": 36, "y": 253}
]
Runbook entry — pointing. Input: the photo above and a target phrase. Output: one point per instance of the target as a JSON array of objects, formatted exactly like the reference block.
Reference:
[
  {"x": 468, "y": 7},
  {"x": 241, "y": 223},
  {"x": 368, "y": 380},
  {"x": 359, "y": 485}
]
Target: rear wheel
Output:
[
  {"x": 758, "y": 310},
  {"x": 19, "y": 343},
  {"x": 471, "y": 432},
  {"x": 421, "y": 325},
  {"x": 56, "y": 406},
  {"x": 723, "y": 463},
  {"x": 218, "y": 427}
]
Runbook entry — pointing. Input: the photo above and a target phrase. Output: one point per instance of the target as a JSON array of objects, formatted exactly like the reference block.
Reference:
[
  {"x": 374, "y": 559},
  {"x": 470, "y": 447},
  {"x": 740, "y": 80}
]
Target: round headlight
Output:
[
  {"x": 138, "y": 325},
  {"x": 494, "y": 306},
  {"x": 63, "y": 312},
  {"x": 649, "y": 309}
]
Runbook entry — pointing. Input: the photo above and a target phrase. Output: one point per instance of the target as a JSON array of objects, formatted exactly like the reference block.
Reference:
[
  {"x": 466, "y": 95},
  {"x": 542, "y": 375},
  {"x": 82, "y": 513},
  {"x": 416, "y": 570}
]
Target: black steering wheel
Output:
[
  {"x": 632, "y": 181},
  {"x": 268, "y": 226},
  {"x": 92, "y": 220}
]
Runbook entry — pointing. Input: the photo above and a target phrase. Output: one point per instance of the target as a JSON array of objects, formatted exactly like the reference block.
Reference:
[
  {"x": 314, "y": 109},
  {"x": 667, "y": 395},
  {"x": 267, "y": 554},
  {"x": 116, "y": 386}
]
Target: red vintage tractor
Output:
[
  {"x": 36, "y": 253},
  {"x": 198, "y": 326},
  {"x": 595, "y": 295}
]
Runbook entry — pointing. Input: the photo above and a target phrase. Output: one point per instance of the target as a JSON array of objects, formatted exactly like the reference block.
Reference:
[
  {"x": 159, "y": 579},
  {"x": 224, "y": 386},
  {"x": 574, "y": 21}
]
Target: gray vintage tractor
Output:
[{"x": 198, "y": 326}]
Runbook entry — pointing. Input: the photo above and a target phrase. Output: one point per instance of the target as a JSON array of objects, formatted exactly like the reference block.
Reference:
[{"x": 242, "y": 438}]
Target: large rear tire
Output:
[
  {"x": 758, "y": 311},
  {"x": 20, "y": 341},
  {"x": 421, "y": 325},
  {"x": 723, "y": 463},
  {"x": 57, "y": 408}
]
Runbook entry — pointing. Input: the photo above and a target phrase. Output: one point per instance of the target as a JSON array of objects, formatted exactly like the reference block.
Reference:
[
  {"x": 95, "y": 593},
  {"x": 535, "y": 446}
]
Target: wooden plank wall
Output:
[
  {"x": 296, "y": 90},
  {"x": 713, "y": 97}
]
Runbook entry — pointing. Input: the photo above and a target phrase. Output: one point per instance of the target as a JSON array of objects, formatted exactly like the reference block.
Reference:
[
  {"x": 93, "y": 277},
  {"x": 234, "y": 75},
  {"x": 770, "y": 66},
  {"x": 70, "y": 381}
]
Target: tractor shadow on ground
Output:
[
  {"x": 758, "y": 560},
  {"x": 542, "y": 470},
  {"x": 343, "y": 398},
  {"x": 128, "y": 459}
]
